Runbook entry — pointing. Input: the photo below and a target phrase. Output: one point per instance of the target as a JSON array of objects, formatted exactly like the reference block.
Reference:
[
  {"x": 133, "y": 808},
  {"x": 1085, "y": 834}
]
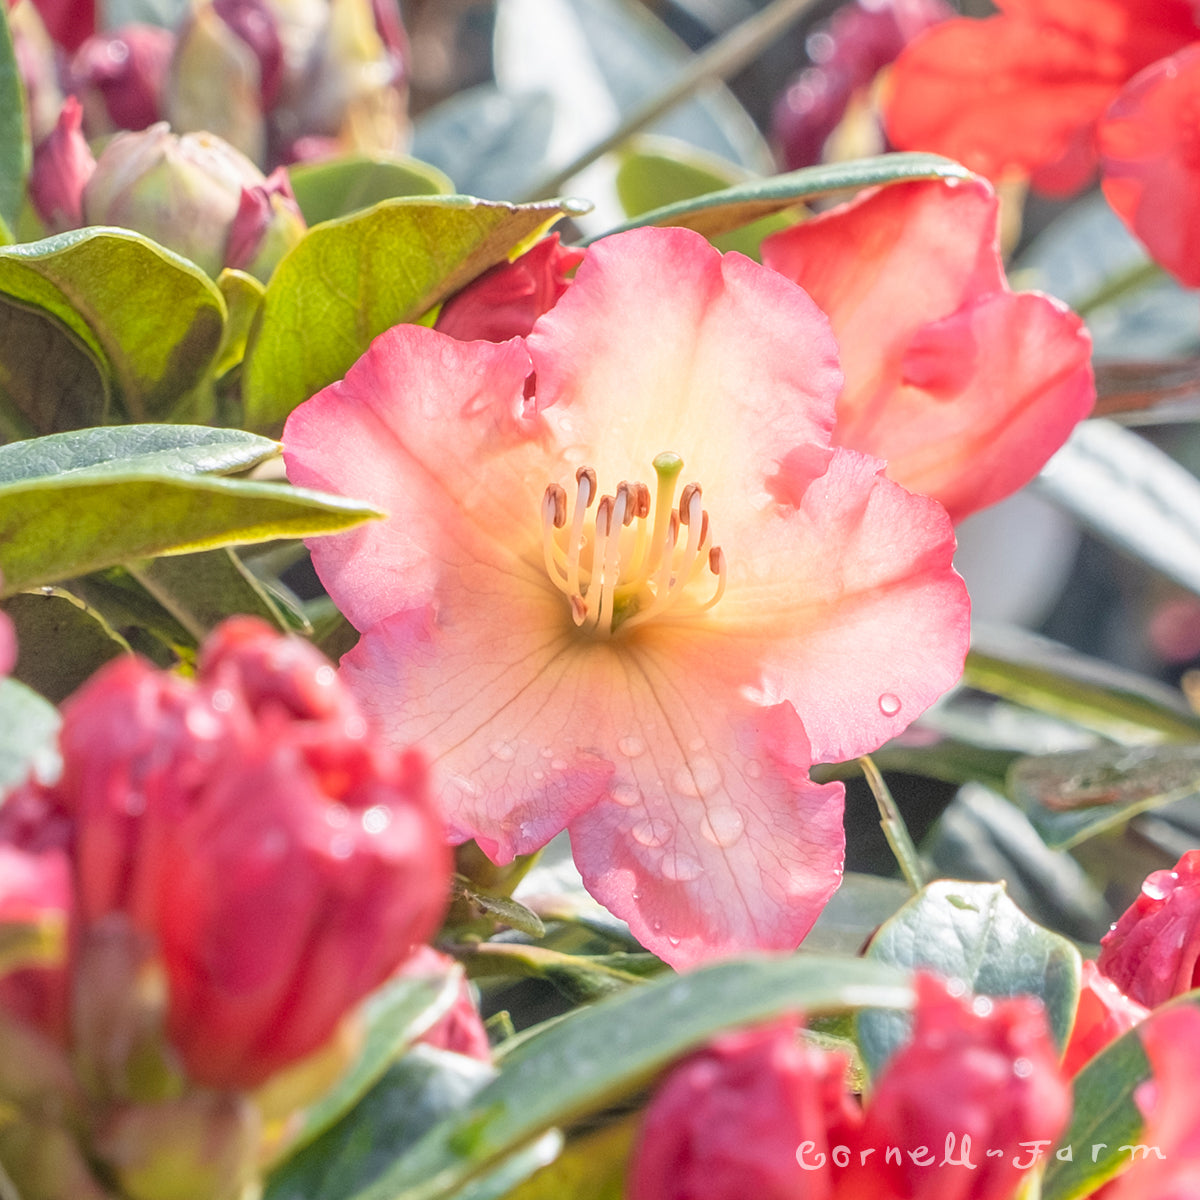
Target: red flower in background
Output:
[
  {"x": 1025, "y": 89},
  {"x": 962, "y": 386}
]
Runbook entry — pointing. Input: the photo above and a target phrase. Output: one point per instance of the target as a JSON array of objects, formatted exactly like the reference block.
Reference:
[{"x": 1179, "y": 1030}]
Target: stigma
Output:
[{"x": 625, "y": 559}]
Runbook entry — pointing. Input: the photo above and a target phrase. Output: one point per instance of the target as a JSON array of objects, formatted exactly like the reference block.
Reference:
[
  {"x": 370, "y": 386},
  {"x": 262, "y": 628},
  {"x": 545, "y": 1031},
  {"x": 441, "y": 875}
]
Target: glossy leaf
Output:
[
  {"x": 1132, "y": 494},
  {"x": 28, "y": 734},
  {"x": 154, "y": 338},
  {"x": 243, "y": 299},
  {"x": 1073, "y": 796},
  {"x": 1052, "y": 679},
  {"x": 972, "y": 932},
  {"x": 340, "y": 186},
  {"x": 14, "y": 134},
  {"x": 187, "y": 449},
  {"x": 57, "y": 528},
  {"x": 351, "y": 279},
  {"x": 60, "y": 641},
  {"x": 584, "y": 1062},
  {"x": 720, "y": 212}
]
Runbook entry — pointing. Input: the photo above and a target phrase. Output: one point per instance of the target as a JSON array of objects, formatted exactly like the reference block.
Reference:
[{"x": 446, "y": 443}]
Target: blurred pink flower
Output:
[
  {"x": 964, "y": 387},
  {"x": 655, "y": 669},
  {"x": 62, "y": 165},
  {"x": 121, "y": 77}
]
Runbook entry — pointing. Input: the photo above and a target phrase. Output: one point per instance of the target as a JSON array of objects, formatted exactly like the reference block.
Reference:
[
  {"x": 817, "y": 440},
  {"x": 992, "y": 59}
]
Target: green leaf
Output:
[
  {"x": 657, "y": 170},
  {"x": 396, "y": 1015},
  {"x": 589, "y": 1059},
  {"x": 61, "y": 642},
  {"x": 1042, "y": 675},
  {"x": 189, "y": 449},
  {"x": 351, "y": 279},
  {"x": 14, "y": 134},
  {"x": 28, "y": 734},
  {"x": 150, "y": 318},
  {"x": 243, "y": 298},
  {"x": 857, "y": 909},
  {"x": 723, "y": 211},
  {"x": 202, "y": 590},
  {"x": 339, "y": 186},
  {"x": 1132, "y": 494},
  {"x": 412, "y": 1095},
  {"x": 591, "y": 1167},
  {"x": 972, "y": 932},
  {"x": 579, "y": 978},
  {"x": 1073, "y": 796},
  {"x": 53, "y": 529}
]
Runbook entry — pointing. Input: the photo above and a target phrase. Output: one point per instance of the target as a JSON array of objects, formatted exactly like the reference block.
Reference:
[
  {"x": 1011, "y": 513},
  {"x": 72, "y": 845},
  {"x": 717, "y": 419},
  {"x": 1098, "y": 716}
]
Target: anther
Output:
[
  {"x": 586, "y": 478},
  {"x": 556, "y": 505},
  {"x": 642, "y": 501},
  {"x": 690, "y": 492}
]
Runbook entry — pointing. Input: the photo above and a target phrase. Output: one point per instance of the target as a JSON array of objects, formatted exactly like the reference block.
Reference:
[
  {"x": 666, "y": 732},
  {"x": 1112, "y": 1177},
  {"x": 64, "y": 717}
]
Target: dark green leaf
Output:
[
  {"x": 721, "y": 212},
  {"x": 972, "y": 932},
  {"x": 56, "y": 528},
  {"x": 14, "y": 134},
  {"x": 579, "y": 978},
  {"x": 586, "y": 1061},
  {"x": 152, "y": 319},
  {"x": 351, "y": 279},
  {"x": 340, "y": 186},
  {"x": 60, "y": 641},
  {"x": 28, "y": 734},
  {"x": 189, "y": 449}
]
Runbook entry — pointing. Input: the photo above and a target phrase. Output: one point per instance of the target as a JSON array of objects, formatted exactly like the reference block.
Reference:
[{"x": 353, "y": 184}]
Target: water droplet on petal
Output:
[
  {"x": 1152, "y": 889},
  {"x": 337, "y": 815},
  {"x": 547, "y": 752},
  {"x": 673, "y": 940},
  {"x": 222, "y": 699},
  {"x": 684, "y": 784},
  {"x": 723, "y": 826},
  {"x": 503, "y": 751},
  {"x": 341, "y": 846},
  {"x": 325, "y": 676},
  {"x": 1022, "y": 1068},
  {"x": 538, "y": 775},
  {"x": 680, "y": 867},
  {"x": 558, "y": 764},
  {"x": 696, "y": 744},
  {"x": 651, "y": 833},
  {"x": 982, "y": 1006},
  {"x": 707, "y": 775},
  {"x": 376, "y": 819},
  {"x": 656, "y": 926},
  {"x": 626, "y": 794},
  {"x": 889, "y": 704},
  {"x": 754, "y": 769},
  {"x": 631, "y": 746}
]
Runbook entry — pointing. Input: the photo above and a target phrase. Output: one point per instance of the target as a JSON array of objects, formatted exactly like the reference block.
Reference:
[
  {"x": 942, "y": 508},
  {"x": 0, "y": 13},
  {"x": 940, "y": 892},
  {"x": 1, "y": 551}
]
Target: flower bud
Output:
[
  {"x": 183, "y": 192},
  {"x": 254, "y": 22},
  {"x": 283, "y": 860},
  {"x": 62, "y": 165},
  {"x": 268, "y": 224},
  {"x": 69, "y": 22},
  {"x": 505, "y": 301},
  {"x": 981, "y": 1071},
  {"x": 1153, "y": 951},
  {"x": 755, "y": 1113},
  {"x": 121, "y": 77},
  {"x": 460, "y": 1030}
]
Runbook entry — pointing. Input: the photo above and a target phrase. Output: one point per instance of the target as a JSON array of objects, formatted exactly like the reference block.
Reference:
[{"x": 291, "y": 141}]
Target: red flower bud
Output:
[
  {"x": 1153, "y": 950},
  {"x": 976, "y": 1070},
  {"x": 1103, "y": 1014},
  {"x": 62, "y": 165},
  {"x": 730, "y": 1122},
  {"x": 122, "y": 75},
  {"x": 285, "y": 862},
  {"x": 69, "y": 22},
  {"x": 255, "y": 23},
  {"x": 267, "y": 225},
  {"x": 505, "y": 301}
]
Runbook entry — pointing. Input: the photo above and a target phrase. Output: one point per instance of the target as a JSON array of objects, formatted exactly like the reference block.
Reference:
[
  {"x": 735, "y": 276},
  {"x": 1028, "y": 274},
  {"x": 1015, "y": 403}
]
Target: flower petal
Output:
[
  {"x": 714, "y": 358},
  {"x": 713, "y": 840}
]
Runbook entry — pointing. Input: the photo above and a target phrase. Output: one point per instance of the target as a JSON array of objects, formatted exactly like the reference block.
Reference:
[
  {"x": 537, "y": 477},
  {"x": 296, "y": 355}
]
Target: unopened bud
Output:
[
  {"x": 268, "y": 224},
  {"x": 121, "y": 77},
  {"x": 62, "y": 166}
]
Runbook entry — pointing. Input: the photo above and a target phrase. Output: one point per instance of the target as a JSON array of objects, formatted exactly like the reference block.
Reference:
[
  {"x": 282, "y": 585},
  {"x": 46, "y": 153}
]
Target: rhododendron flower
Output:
[
  {"x": 505, "y": 301},
  {"x": 1153, "y": 951},
  {"x": 1149, "y": 165},
  {"x": 62, "y": 165},
  {"x": 1171, "y": 1171},
  {"x": 964, "y": 387},
  {"x": 248, "y": 825},
  {"x": 1025, "y": 89},
  {"x": 579, "y": 641},
  {"x": 1104, "y": 1013},
  {"x": 460, "y": 1029}
]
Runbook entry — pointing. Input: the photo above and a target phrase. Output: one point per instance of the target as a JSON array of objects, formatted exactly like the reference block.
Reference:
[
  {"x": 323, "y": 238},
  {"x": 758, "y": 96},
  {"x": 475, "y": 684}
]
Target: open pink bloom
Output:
[
  {"x": 658, "y": 668},
  {"x": 964, "y": 387},
  {"x": 1171, "y": 1040},
  {"x": 1150, "y": 161},
  {"x": 1025, "y": 89},
  {"x": 1153, "y": 951}
]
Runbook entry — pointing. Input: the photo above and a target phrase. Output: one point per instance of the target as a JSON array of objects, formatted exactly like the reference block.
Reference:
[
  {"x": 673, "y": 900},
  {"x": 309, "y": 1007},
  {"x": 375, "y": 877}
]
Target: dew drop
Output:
[
  {"x": 680, "y": 867},
  {"x": 889, "y": 704},
  {"x": 376, "y": 819},
  {"x": 547, "y": 752},
  {"x": 355, "y": 728},
  {"x": 656, "y": 926},
  {"x": 723, "y": 827},
  {"x": 558, "y": 764},
  {"x": 538, "y": 775},
  {"x": 707, "y": 775},
  {"x": 1022, "y": 1068},
  {"x": 503, "y": 751},
  {"x": 673, "y": 940},
  {"x": 625, "y": 794},
  {"x": 325, "y": 676},
  {"x": 651, "y": 833},
  {"x": 631, "y": 746},
  {"x": 696, "y": 744},
  {"x": 1154, "y": 888},
  {"x": 754, "y": 769},
  {"x": 337, "y": 816},
  {"x": 222, "y": 699},
  {"x": 982, "y": 1006},
  {"x": 341, "y": 846},
  {"x": 684, "y": 784}
]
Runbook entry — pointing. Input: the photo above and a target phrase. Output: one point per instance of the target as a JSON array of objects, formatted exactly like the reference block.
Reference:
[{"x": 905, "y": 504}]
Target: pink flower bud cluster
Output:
[
  {"x": 250, "y": 829},
  {"x": 758, "y": 1113},
  {"x": 846, "y": 54}
]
